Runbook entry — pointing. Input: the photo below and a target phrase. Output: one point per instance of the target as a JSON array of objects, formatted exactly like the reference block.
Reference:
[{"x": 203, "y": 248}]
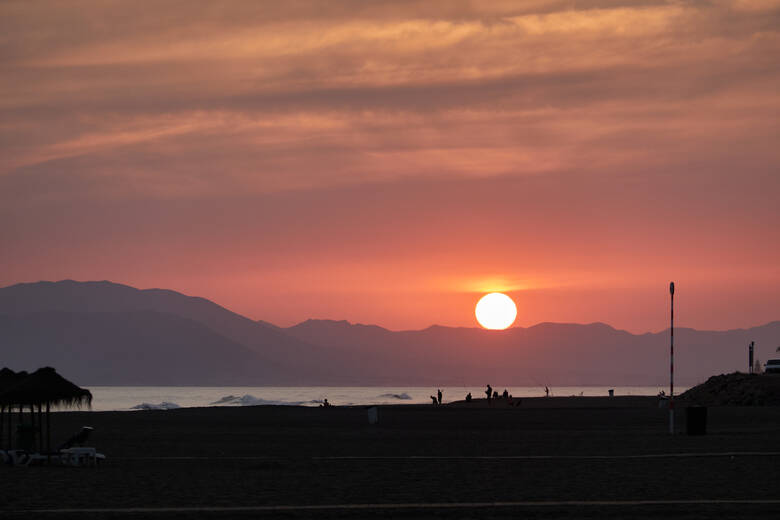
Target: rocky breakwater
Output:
[{"x": 736, "y": 389}]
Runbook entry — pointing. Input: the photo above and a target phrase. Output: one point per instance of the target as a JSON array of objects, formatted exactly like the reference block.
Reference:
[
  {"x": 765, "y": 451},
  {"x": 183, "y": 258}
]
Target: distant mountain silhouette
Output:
[
  {"x": 106, "y": 333},
  {"x": 293, "y": 361},
  {"x": 128, "y": 348},
  {"x": 71, "y": 296},
  {"x": 547, "y": 353}
]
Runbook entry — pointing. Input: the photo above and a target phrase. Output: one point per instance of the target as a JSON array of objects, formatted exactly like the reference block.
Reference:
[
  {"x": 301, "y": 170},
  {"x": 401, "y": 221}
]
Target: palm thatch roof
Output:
[
  {"x": 43, "y": 386},
  {"x": 9, "y": 378}
]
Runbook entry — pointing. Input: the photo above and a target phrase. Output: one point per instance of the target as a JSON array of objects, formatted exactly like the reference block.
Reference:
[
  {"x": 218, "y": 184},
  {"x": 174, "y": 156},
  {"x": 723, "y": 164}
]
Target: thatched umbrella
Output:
[
  {"x": 46, "y": 386},
  {"x": 6, "y": 374},
  {"x": 8, "y": 379}
]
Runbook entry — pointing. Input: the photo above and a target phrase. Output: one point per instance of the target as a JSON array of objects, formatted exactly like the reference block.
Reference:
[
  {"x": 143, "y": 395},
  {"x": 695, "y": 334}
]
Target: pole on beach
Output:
[
  {"x": 48, "y": 434},
  {"x": 671, "y": 364}
]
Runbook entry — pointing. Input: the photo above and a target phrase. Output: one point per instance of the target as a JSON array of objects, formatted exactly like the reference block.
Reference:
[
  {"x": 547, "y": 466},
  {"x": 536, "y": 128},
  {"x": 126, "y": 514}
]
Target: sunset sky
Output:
[{"x": 390, "y": 162}]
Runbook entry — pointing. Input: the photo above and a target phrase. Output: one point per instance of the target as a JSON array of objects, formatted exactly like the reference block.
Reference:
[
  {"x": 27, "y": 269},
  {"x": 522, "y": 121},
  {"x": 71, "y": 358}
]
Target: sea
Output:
[{"x": 111, "y": 398}]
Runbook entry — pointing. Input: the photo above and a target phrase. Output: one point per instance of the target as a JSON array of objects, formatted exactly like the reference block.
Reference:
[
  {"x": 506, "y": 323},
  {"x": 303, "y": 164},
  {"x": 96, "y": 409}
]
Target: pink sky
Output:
[{"x": 389, "y": 163}]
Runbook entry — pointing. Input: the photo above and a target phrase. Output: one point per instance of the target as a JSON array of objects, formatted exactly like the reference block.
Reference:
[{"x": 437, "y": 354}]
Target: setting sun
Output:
[{"x": 496, "y": 311}]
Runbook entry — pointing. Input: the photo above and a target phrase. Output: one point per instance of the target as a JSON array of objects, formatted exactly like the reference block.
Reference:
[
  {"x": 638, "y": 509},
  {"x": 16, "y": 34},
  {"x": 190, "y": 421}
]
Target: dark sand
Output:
[{"x": 587, "y": 450}]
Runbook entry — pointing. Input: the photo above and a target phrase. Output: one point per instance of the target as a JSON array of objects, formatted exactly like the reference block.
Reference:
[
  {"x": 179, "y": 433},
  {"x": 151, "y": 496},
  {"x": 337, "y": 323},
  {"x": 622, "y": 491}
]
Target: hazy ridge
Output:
[{"x": 107, "y": 333}]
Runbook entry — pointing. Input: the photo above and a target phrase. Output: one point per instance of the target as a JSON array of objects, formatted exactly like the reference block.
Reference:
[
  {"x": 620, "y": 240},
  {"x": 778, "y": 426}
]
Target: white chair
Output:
[
  {"x": 36, "y": 459},
  {"x": 80, "y": 457},
  {"x": 18, "y": 457}
]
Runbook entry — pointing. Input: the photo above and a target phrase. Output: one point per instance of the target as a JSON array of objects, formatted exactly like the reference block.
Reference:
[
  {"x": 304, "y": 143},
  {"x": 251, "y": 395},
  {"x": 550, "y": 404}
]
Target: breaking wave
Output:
[
  {"x": 250, "y": 400},
  {"x": 165, "y": 405},
  {"x": 403, "y": 396}
]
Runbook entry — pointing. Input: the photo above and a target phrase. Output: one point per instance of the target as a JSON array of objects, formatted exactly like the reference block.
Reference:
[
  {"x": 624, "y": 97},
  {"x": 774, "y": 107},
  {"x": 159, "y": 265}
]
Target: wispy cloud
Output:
[
  {"x": 90, "y": 77},
  {"x": 560, "y": 118}
]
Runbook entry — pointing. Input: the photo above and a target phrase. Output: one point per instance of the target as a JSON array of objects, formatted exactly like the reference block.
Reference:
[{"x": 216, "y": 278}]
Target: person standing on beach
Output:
[
  {"x": 438, "y": 395},
  {"x": 546, "y": 392},
  {"x": 489, "y": 393}
]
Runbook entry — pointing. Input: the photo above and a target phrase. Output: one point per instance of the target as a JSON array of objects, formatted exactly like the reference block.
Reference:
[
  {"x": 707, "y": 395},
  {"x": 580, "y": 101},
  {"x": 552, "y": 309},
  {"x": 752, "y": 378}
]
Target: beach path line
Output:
[
  {"x": 553, "y": 457},
  {"x": 476, "y": 457},
  {"x": 386, "y": 506}
]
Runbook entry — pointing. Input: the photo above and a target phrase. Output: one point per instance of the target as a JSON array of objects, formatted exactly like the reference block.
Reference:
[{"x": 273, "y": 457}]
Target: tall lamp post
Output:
[{"x": 671, "y": 365}]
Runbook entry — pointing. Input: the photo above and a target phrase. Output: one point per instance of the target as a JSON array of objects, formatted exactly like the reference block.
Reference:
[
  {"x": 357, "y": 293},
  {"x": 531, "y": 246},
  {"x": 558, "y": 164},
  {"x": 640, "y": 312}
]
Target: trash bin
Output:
[{"x": 696, "y": 420}]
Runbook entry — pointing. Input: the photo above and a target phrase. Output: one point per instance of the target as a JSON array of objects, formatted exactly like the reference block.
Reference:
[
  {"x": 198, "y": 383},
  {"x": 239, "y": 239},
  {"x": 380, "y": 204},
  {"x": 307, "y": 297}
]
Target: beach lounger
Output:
[
  {"x": 78, "y": 439},
  {"x": 17, "y": 457},
  {"x": 36, "y": 459},
  {"x": 25, "y": 458},
  {"x": 81, "y": 457}
]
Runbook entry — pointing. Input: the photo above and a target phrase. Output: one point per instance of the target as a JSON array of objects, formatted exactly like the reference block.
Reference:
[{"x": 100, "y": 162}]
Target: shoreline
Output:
[
  {"x": 497, "y": 404},
  {"x": 624, "y": 401},
  {"x": 126, "y": 398}
]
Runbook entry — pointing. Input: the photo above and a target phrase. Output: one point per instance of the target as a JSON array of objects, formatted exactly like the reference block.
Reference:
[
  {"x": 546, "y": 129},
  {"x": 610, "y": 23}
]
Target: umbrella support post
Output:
[
  {"x": 40, "y": 429},
  {"x": 21, "y": 423},
  {"x": 48, "y": 434},
  {"x": 32, "y": 424}
]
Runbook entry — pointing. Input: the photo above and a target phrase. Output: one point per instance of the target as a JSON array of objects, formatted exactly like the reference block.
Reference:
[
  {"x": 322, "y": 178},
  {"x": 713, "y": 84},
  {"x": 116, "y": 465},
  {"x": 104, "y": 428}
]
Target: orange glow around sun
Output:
[{"x": 496, "y": 311}]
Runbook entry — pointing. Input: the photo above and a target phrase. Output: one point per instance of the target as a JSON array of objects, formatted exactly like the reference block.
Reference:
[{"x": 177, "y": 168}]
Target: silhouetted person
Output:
[
  {"x": 505, "y": 394},
  {"x": 433, "y": 398},
  {"x": 438, "y": 395},
  {"x": 546, "y": 392},
  {"x": 489, "y": 393},
  {"x": 495, "y": 394},
  {"x": 468, "y": 397},
  {"x": 325, "y": 403}
]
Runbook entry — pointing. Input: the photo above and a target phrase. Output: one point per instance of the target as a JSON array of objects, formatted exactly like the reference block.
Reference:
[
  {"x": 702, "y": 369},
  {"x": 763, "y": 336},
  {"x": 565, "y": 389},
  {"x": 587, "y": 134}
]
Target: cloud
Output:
[{"x": 123, "y": 125}]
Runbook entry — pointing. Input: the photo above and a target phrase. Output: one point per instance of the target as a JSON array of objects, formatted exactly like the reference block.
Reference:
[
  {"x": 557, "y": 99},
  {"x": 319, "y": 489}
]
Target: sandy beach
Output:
[{"x": 552, "y": 458}]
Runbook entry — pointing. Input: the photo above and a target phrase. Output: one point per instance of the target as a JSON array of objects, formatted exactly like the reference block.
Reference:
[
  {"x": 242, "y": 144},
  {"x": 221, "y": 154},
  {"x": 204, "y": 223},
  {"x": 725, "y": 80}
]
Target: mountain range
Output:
[{"x": 103, "y": 333}]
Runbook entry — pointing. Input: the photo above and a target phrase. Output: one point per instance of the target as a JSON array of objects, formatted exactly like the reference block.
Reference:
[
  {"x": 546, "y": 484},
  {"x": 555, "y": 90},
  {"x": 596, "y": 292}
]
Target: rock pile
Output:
[{"x": 736, "y": 389}]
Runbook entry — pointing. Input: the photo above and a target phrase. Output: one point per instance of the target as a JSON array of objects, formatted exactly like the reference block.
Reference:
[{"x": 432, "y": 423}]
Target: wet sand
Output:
[{"x": 605, "y": 454}]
